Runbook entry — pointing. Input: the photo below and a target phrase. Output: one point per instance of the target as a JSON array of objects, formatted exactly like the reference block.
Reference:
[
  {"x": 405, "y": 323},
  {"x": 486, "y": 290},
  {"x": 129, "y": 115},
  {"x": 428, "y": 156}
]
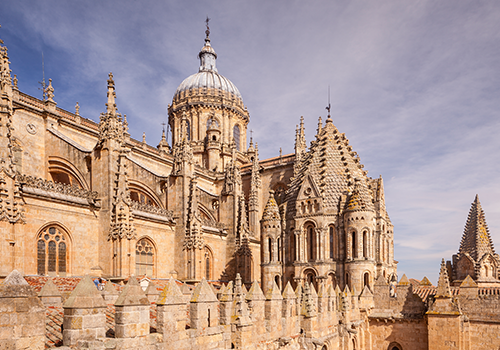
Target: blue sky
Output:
[{"x": 414, "y": 85}]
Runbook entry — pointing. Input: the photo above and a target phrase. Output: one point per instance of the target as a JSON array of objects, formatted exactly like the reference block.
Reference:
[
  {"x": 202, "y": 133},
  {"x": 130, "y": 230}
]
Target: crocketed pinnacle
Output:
[
  {"x": 443, "y": 287},
  {"x": 476, "y": 240},
  {"x": 358, "y": 200},
  {"x": 271, "y": 211}
]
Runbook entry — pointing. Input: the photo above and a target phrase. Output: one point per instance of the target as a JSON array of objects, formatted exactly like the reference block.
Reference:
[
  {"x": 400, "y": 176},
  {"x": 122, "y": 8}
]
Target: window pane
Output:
[
  {"x": 52, "y": 256},
  {"x": 236, "y": 135},
  {"x": 62, "y": 257},
  {"x": 41, "y": 257}
]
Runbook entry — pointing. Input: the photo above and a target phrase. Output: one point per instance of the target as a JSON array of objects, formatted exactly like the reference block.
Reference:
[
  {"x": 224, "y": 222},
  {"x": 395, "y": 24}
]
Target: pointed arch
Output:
[
  {"x": 145, "y": 257},
  {"x": 208, "y": 263},
  {"x": 53, "y": 246}
]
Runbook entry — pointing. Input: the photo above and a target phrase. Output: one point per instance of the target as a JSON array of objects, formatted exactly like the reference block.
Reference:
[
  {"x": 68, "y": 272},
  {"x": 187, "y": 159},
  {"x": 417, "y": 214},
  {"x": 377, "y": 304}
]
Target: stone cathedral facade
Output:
[{"x": 301, "y": 240}]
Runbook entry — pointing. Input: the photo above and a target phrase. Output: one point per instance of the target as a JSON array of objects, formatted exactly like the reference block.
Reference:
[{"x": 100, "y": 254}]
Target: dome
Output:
[
  {"x": 208, "y": 79},
  {"x": 207, "y": 76}
]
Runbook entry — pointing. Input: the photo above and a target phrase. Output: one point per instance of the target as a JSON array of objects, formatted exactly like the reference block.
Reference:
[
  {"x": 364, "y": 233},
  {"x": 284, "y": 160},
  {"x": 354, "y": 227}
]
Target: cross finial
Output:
[
  {"x": 163, "y": 125},
  {"x": 207, "y": 32},
  {"x": 328, "y": 107}
]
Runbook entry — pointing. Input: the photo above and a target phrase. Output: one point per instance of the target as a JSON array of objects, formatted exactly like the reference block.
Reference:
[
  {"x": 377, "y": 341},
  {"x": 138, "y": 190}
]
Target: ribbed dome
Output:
[
  {"x": 208, "y": 79},
  {"x": 207, "y": 76}
]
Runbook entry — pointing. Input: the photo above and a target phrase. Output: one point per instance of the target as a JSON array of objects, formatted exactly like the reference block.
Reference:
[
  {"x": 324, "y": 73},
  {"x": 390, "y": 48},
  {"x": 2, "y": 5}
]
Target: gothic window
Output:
[
  {"x": 64, "y": 172},
  {"x": 140, "y": 195},
  {"x": 208, "y": 263},
  {"x": 332, "y": 245},
  {"x": 52, "y": 252},
  {"x": 236, "y": 136},
  {"x": 144, "y": 258}
]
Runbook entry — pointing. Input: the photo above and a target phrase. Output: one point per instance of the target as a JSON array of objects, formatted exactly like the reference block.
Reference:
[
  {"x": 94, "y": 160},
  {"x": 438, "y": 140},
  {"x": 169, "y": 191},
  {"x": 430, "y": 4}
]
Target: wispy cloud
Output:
[{"x": 414, "y": 85}]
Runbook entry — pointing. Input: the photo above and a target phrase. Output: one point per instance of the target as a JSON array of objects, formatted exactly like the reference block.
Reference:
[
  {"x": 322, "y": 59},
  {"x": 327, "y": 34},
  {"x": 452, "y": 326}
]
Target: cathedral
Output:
[{"x": 291, "y": 252}]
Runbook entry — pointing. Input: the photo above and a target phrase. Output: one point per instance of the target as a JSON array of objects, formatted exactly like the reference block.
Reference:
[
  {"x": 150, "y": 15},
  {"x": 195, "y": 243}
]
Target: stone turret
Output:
[
  {"x": 271, "y": 265},
  {"x": 476, "y": 256}
]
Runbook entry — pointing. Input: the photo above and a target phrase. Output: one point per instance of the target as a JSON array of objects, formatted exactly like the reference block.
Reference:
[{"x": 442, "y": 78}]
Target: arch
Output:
[
  {"x": 53, "y": 245},
  {"x": 208, "y": 258},
  {"x": 145, "y": 255},
  {"x": 310, "y": 230},
  {"x": 63, "y": 171},
  {"x": 270, "y": 248},
  {"x": 309, "y": 276},
  {"x": 332, "y": 278},
  {"x": 394, "y": 346},
  {"x": 205, "y": 213},
  {"x": 237, "y": 136},
  {"x": 141, "y": 193},
  {"x": 366, "y": 279}
]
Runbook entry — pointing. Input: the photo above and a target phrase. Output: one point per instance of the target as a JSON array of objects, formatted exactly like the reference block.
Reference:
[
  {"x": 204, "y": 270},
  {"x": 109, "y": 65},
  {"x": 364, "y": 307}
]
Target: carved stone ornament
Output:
[{"x": 31, "y": 128}]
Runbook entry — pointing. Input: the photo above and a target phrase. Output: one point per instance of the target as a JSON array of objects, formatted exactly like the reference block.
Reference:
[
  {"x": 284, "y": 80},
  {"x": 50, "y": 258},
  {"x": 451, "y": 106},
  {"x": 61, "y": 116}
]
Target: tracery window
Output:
[
  {"x": 52, "y": 252},
  {"x": 236, "y": 136},
  {"x": 144, "y": 258}
]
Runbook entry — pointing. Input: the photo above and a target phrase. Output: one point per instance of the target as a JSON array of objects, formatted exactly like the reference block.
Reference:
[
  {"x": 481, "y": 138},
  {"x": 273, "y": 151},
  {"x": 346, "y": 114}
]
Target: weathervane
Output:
[{"x": 207, "y": 32}]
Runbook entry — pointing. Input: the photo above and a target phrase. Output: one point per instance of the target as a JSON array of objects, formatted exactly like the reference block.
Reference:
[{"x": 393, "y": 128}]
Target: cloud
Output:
[{"x": 413, "y": 85}]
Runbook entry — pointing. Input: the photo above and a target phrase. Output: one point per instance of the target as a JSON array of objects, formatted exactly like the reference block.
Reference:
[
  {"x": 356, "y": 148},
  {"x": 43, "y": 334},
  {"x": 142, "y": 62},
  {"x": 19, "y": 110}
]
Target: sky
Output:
[{"x": 414, "y": 85}]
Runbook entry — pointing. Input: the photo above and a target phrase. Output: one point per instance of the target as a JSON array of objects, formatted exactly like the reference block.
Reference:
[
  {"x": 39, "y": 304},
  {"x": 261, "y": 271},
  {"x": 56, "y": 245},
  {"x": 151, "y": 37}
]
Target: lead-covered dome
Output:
[{"x": 207, "y": 76}]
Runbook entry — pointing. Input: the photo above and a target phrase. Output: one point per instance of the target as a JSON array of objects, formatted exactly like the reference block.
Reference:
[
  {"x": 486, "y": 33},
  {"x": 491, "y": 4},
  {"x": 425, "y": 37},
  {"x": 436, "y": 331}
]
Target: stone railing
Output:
[
  {"x": 72, "y": 193},
  {"x": 152, "y": 212},
  {"x": 213, "y": 224}
]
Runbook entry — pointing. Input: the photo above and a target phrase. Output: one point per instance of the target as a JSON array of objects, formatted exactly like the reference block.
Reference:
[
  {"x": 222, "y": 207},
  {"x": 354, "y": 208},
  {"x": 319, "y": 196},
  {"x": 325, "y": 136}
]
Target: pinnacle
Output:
[
  {"x": 476, "y": 240},
  {"x": 443, "y": 287},
  {"x": 271, "y": 211}
]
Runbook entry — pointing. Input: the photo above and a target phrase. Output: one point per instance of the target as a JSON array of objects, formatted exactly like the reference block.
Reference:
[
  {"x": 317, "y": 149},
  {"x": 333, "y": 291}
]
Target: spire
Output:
[
  {"x": 111, "y": 105},
  {"x": 111, "y": 125},
  {"x": 271, "y": 211},
  {"x": 443, "y": 287},
  {"x": 207, "y": 54},
  {"x": 300, "y": 138},
  {"x": 476, "y": 240}
]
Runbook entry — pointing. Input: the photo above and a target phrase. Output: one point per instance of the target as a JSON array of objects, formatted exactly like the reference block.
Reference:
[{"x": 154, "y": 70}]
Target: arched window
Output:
[
  {"x": 236, "y": 136},
  {"x": 64, "y": 178},
  {"x": 52, "y": 252},
  {"x": 188, "y": 130},
  {"x": 366, "y": 279},
  {"x": 332, "y": 245},
  {"x": 270, "y": 248},
  {"x": 365, "y": 245},
  {"x": 310, "y": 242},
  {"x": 353, "y": 241},
  {"x": 208, "y": 257},
  {"x": 144, "y": 258}
]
